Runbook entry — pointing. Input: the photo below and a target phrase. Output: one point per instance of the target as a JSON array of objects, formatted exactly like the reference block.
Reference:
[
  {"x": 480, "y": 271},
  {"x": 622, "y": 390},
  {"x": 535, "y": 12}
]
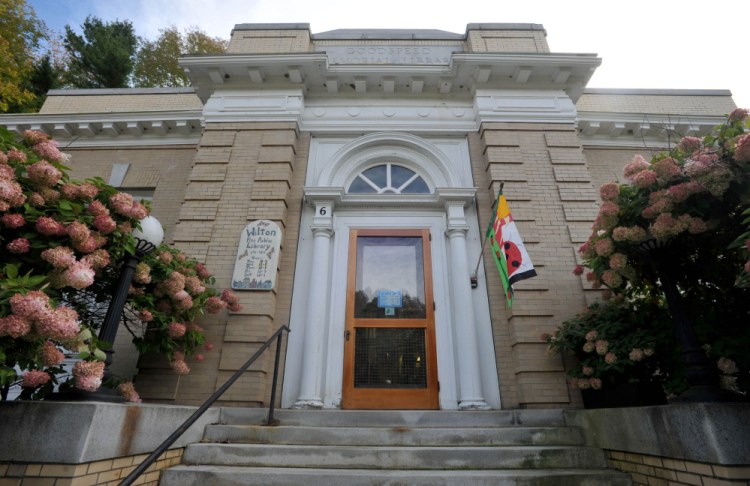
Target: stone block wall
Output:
[
  {"x": 242, "y": 172},
  {"x": 550, "y": 193},
  {"x": 506, "y": 38}
]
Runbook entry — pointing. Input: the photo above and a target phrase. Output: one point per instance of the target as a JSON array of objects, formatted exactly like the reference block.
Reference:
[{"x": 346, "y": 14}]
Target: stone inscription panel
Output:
[{"x": 390, "y": 54}]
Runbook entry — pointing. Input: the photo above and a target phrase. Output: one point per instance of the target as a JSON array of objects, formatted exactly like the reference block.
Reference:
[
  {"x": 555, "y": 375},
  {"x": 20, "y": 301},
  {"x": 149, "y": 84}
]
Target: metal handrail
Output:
[{"x": 210, "y": 401}]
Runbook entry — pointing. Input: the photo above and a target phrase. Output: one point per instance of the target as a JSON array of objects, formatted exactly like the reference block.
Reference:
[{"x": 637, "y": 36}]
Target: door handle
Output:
[{"x": 347, "y": 334}]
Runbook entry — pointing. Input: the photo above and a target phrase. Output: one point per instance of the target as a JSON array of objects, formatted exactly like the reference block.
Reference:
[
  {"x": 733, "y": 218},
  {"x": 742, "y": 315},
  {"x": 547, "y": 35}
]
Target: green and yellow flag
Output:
[{"x": 510, "y": 255}]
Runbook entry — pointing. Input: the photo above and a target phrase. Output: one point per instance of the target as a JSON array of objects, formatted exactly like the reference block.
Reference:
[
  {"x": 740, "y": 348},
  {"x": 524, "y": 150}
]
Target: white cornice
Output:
[
  {"x": 106, "y": 129},
  {"x": 640, "y": 129},
  {"x": 460, "y": 78}
]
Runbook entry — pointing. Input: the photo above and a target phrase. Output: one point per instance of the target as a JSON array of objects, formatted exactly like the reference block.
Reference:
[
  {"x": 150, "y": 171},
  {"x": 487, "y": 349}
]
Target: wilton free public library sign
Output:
[{"x": 390, "y": 54}]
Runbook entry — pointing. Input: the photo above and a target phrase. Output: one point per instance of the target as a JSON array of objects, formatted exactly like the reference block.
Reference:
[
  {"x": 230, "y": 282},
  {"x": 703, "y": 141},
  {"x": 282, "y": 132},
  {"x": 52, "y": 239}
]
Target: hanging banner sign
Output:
[{"x": 257, "y": 256}]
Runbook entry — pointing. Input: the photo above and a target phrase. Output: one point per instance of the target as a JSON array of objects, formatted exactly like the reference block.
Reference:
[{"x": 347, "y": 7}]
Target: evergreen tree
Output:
[{"x": 103, "y": 56}]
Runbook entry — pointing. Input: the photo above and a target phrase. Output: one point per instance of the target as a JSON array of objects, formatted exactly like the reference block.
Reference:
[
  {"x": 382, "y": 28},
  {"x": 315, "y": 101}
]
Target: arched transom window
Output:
[{"x": 388, "y": 178}]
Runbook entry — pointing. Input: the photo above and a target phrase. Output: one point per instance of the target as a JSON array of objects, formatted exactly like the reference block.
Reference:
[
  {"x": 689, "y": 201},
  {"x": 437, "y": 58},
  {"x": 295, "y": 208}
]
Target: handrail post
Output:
[{"x": 269, "y": 420}]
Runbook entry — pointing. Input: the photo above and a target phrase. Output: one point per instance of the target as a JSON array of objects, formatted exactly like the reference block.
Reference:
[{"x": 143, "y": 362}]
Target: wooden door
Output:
[{"x": 389, "y": 343}]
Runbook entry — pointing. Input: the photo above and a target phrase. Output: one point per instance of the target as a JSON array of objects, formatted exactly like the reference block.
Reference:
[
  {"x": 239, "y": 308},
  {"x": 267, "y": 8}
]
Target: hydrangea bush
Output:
[
  {"x": 681, "y": 214},
  {"x": 61, "y": 244}
]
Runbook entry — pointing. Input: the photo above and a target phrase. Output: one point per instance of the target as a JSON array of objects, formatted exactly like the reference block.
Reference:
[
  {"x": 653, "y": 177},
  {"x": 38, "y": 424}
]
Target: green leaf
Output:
[
  {"x": 11, "y": 270},
  {"x": 84, "y": 354}
]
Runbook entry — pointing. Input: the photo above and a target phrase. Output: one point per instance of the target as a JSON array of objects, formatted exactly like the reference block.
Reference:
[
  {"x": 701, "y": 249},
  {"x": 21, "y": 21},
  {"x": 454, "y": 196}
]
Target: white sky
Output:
[{"x": 644, "y": 44}]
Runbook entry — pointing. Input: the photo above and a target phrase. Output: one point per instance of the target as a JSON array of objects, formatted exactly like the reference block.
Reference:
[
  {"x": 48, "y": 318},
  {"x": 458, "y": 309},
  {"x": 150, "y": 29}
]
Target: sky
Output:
[{"x": 657, "y": 44}]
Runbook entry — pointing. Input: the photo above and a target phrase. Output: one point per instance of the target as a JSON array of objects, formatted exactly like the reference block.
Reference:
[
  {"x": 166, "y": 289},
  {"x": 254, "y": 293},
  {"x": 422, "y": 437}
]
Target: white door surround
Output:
[{"x": 465, "y": 352}]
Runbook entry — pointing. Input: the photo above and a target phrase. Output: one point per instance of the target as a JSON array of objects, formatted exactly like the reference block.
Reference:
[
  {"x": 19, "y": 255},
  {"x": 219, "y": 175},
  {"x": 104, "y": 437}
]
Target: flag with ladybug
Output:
[{"x": 510, "y": 255}]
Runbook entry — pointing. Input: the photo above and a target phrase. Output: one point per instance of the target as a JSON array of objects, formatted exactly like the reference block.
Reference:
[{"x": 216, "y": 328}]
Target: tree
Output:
[
  {"x": 103, "y": 56},
  {"x": 156, "y": 62},
  {"x": 20, "y": 33}
]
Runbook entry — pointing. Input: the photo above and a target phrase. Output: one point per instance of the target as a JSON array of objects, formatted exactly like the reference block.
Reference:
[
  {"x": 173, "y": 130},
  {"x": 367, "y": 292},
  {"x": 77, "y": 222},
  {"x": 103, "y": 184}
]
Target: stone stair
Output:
[{"x": 352, "y": 448}]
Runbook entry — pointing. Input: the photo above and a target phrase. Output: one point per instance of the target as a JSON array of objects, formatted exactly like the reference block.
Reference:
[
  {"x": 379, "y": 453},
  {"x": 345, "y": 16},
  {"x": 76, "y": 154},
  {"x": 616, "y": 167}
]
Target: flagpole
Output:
[{"x": 473, "y": 277}]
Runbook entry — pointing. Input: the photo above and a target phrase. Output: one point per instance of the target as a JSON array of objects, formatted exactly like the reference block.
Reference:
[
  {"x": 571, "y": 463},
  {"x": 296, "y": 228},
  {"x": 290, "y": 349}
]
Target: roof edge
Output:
[
  {"x": 658, "y": 92},
  {"x": 119, "y": 91}
]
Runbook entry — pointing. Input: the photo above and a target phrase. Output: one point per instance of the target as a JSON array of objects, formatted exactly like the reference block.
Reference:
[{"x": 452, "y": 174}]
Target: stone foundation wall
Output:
[{"x": 689, "y": 443}]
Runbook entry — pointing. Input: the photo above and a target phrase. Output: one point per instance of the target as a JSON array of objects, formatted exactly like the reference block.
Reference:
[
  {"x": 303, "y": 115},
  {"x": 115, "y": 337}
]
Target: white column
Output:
[
  {"x": 470, "y": 396},
  {"x": 317, "y": 310}
]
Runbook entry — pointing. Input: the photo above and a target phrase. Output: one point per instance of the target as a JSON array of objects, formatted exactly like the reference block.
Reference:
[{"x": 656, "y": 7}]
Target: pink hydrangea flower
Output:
[
  {"x": 644, "y": 179},
  {"x": 44, "y": 174},
  {"x": 97, "y": 208},
  {"x": 667, "y": 169},
  {"x": 588, "y": 347},
  {"x": 97, "y": 259},
  {"x": 648, "y": 351},
  {"x": 31, "y": 305},
  {"x": 689, "y": 144},
  {"x": 146, "y": 316},
  {"x": 587, "y": 370},
  {"x": 60, "y": 324},
  {"x": 48, "y": 150},
  {"x": 33, "y": 137},
  {"x": 202, "y": 271},
  {"x": 742, "y": 149},
  {"x": 199, "y": 357},
  {"x": 680, "y": 192},
  {"x": 194, "y": 285},
  {"x": 601, "y": 347},
  {"x": 635, "y": 166},
  {"x": 636, "y": 355},
  {"x": 14, "y": 326},
  {"x": 12, "y": 221},
  {"x": 142, "y": 273},
  {"x": 176, "y": 330},
  {"x": 51, "y": 355},
  {"x": 79, "y": 275},
  {"x": 15, "y": 155},
  {"x": 60, "y": 257},
  {"x": 612, "y": 279},
  {"x": 610, "y": 358},
  {"x": 592, "y": 335},
  {"x": 180, "y": 367},
  {"x": 184, "y": 300},
  {"x": 165, "y": 257},
  {"x": 727, "y": 366},
  {"x": 19, "y": 246},
  {"x": 127, "y": 390},
  {"x": 609, "y": 191},
  {"x": 78, "y": 231},
  {"x": 584, "y": 384},
  {"x": 49, "y": 227},
  {"x": 618, "y": 261},
  {"x": 233, "y": 302},
  {"x": 604, "y": 247},
  {"x": 595, "y": 383},
  {"x": 34, "y": 379},
  {"x": 104, "y": 223},
  {"x": 738, "y": 115},
  {"x": 578, "y": 270},
  {"x": 11, "y": 192},
  {"x": 88, "y": 375}
]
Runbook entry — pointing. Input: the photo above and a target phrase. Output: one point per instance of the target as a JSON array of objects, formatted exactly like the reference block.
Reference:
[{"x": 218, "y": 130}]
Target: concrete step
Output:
[
  {"x": 236, "y": 476},
  {"x": 395, "y": 418},
  {"x": 372, "y": 457},
  {"x": 395, "y": 436}
]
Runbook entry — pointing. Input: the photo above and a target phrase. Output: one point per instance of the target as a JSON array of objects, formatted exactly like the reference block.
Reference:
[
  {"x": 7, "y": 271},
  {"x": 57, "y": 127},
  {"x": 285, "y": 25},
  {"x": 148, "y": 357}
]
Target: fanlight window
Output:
[{"x": 388, "y": 178}]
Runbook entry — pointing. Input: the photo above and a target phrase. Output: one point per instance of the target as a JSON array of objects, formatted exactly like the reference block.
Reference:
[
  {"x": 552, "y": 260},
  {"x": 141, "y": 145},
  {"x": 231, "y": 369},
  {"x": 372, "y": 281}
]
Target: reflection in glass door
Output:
[{"x": 389, "y": 355}]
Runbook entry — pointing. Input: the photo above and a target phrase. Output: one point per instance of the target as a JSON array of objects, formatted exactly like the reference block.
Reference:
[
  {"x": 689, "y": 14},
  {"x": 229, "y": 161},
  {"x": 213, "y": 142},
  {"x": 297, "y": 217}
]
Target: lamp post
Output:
[{"x": 147, "y": 239}]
